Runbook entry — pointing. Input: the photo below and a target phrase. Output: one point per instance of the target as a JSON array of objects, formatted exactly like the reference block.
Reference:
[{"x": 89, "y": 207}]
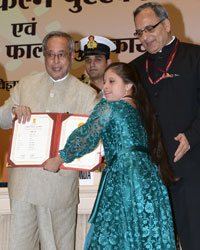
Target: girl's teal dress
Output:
[{"x": 132, "y": 209}]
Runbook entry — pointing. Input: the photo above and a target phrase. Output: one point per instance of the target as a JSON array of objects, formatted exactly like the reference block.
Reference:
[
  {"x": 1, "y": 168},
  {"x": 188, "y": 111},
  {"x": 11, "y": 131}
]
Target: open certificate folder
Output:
[{"x": 34, "y": 142}]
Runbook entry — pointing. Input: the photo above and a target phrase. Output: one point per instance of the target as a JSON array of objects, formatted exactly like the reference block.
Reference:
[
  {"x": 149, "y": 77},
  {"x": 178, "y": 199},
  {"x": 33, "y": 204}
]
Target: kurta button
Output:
[
  {"x": 51, "y": 94},
  {"x": 156, "y": 94}
]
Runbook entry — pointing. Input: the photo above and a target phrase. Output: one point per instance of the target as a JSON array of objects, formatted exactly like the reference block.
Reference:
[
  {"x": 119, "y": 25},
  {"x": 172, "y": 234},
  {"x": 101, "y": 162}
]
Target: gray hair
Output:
[
  {"x": 158, "y": 9},
  {"x": 58, "y": 34}
]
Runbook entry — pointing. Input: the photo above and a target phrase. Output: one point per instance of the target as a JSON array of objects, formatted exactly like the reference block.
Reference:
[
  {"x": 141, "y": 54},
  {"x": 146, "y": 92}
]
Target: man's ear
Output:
[
  {"x": 167, "y": 25},
  {"x": 109, "y": 61},
  {"x": 72, "y": 56}
]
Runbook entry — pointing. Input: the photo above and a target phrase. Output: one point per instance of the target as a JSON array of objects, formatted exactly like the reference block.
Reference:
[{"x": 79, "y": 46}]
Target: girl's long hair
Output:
[{"x": 157, "y": 150}]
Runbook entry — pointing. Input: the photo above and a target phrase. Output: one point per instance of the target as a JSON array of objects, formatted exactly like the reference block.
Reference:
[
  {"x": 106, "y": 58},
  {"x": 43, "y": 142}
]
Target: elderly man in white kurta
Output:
[{"x": 44, "y": 204}]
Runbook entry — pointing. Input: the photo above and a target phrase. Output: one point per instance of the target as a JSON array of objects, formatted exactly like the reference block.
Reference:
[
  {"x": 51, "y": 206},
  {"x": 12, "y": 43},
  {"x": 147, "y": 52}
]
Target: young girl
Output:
[{"x": 132, "y": 209}]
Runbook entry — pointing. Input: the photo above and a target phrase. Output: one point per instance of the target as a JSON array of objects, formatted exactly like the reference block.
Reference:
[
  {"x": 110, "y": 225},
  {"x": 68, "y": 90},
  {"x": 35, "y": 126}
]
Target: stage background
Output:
[{"x": 23, "y": 24}]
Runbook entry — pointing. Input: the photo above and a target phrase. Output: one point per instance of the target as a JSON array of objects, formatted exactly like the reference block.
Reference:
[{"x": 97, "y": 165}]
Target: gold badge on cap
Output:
[{"x": 92, "y": 44}]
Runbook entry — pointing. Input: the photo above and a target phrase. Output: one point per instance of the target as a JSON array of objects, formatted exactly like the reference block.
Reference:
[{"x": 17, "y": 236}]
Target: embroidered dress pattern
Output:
[{"x": 132, "y": 209}]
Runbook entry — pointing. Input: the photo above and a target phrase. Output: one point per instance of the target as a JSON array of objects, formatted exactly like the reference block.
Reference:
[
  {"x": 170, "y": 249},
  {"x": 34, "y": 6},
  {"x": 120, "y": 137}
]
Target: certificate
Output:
[
  {"x": 43, "y": 136},
  {"x": 87, "y": 162},
  {"x": 31, "y": 141}
]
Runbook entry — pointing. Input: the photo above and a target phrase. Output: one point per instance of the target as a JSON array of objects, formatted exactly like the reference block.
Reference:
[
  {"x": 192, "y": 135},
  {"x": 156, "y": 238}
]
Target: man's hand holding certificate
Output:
[
  {"x": 53, "y": 164},
  {"x": 43, "y": 136}
]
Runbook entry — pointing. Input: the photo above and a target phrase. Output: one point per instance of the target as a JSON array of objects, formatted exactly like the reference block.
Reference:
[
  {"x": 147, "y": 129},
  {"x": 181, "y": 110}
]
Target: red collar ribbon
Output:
[{"x": 165, "y": 72}]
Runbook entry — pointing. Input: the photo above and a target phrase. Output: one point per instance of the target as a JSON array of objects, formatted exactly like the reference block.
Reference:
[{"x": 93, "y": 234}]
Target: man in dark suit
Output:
[{"x": 170, "y": 72}]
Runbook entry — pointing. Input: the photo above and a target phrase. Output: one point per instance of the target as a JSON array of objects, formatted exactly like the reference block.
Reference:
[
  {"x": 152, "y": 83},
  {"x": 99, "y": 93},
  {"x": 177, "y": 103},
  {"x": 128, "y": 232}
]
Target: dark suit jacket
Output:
[{"x": 176, "y": 102}]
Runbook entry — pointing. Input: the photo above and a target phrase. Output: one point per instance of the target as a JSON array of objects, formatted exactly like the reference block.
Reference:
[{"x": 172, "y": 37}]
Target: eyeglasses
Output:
[
  {"x": 149, "y": 28},
  {"x": 60, "y": 56}
]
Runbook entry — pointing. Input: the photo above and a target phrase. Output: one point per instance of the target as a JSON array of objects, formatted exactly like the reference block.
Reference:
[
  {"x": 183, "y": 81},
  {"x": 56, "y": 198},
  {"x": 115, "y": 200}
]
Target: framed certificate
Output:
[{"x": 43, "y": 136}]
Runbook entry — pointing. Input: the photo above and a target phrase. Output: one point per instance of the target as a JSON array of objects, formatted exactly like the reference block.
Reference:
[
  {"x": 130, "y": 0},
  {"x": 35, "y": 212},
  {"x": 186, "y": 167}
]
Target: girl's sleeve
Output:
[{"x": 84, "y": 139}]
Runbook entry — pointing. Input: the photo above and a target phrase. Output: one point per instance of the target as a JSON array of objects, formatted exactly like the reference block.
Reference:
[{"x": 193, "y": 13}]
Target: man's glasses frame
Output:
[
  {"x": 61, "y": 56},
  {"x": 149, "y": 29}
]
